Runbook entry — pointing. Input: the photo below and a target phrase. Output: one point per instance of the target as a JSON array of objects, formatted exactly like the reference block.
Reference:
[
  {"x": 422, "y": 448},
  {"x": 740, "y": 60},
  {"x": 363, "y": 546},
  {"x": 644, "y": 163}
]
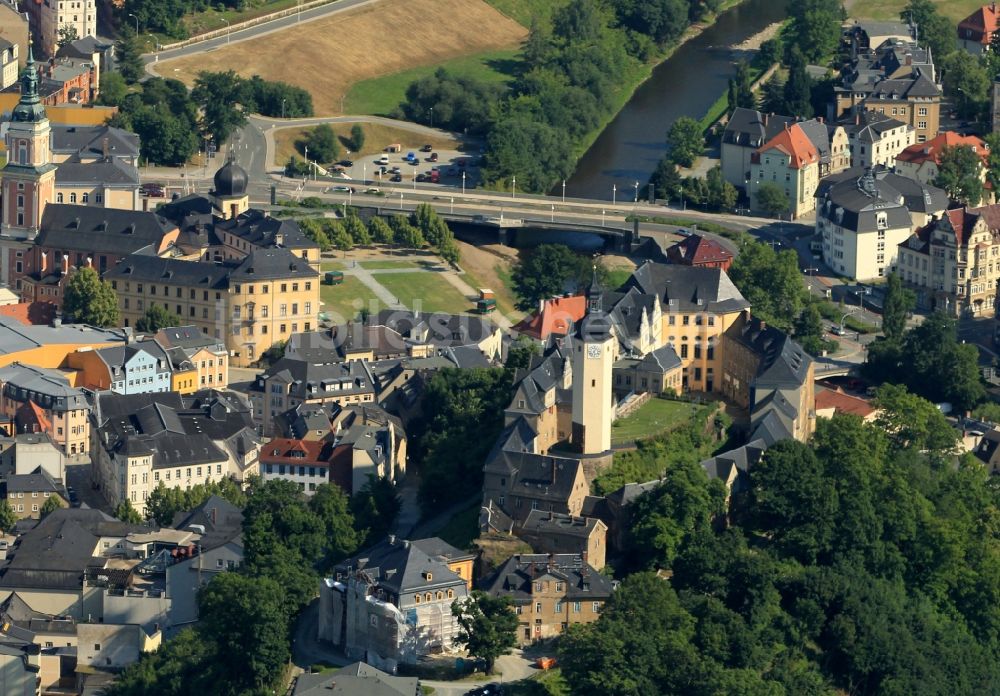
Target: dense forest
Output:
[{"x": 865, "y": 562}]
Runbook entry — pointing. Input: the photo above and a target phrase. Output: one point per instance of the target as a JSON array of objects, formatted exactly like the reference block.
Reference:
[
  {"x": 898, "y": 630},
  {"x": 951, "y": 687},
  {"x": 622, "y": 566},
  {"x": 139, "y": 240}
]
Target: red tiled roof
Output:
[
  {"x": 842, "y": 403},
  {"x": 30, "y": 418},
  {"x": 794, "y": 142},
  {"x": 283, "y": 450},
  {"x": 919, "y": 153},
  {"x": 38, "y": 313},
  {"x": 983, "y": 22},
  {"x": 556, "y": 317},
  {"x": 696, "y": 250}
]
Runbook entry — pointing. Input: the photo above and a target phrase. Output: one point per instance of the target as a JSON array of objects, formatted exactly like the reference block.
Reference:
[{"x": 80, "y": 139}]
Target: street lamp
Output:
[
  {"x": 452, "y": 205},
  {"x": 364, "y": 173},
  {"x": 513, "y": 185},
  {"x": 602, "y": 218},
  {"x": 564, "y": 190},
  {"x": 227, "y": 27},
  {"x": 414, "y": 178},
  {"x": 283, "y": 107},
  {"x": 136, "y": 24},
  {"x": 636, "y": 201},
  {"x": 553, "y": 214},
  {"x": 463, "y": 183},
  {"x": 846, "y": 314},
  {"x": 614, "y": 193},
  {"x": 432, "y": 116}
]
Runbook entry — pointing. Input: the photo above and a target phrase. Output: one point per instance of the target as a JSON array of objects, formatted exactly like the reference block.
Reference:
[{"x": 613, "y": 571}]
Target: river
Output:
[{"x": 685, "y": 84}]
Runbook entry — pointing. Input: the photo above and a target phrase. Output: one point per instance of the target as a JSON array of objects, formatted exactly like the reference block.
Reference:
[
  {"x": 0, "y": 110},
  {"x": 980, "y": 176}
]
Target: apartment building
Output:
[
  {"x": 922, "y": 161},
  {"x": 64, "y": 408},
  {"x": 975, "y": 32},
  {"x": 136, "y": 367},
  {"x": 863, "y": 216},
  {"x": 791, "y": 161},
  {"x": 953, "y": 263},
  {"x": 550, "y": 592},
  {"x": 49, "y": 17},
  {"x": 206, "y": 355},
  {"x": 876, "y": 139}
]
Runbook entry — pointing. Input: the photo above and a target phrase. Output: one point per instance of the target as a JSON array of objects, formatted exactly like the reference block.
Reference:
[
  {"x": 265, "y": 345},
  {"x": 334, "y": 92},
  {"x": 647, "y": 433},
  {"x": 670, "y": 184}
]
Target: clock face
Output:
[{"x": 593, "y": 351}]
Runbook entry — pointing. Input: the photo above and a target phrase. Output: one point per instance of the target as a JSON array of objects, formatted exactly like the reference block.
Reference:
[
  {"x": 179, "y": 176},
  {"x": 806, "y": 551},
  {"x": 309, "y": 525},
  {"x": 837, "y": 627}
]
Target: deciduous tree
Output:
[
  {"x": 686, "y": 141},
  {"x": 899, "y": 302},
  {"x": 488, "y": 626},
  {"x": 959, "y": 172},
  {"x": 90, "y": 300},
  {"x": 772, "y": 199},
  {"x": 157, "y": 317}
]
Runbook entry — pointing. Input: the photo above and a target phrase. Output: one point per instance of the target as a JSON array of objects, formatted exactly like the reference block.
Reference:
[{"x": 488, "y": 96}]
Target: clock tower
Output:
[
  {"x": 593, "y": 358},
  {"x": 28, "y": 178}
]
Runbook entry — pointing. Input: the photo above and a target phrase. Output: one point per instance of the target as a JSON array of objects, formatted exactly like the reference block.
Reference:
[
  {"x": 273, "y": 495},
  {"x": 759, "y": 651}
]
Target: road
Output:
[{"x": 152, "y": 60}]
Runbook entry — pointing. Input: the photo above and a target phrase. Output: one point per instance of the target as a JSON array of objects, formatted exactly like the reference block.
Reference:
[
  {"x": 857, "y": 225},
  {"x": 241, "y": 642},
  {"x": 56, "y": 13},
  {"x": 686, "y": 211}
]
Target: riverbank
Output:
[{"x": 635, "y": 80}]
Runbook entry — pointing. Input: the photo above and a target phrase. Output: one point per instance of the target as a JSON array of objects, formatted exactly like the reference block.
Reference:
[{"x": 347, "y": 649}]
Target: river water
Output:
[{"x": 685, "y": 84}]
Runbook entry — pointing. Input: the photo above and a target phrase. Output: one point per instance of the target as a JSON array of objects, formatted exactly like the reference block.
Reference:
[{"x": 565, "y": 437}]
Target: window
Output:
[
  {"x": 576, "y": 607},
  {"x": 538, "y": 607},
  {"x": 597, "y": 607},
  {"x": 558, "y": 607}
]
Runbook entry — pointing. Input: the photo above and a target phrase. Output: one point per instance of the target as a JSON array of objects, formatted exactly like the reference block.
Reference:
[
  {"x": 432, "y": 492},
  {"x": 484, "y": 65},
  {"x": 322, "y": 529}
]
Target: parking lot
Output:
[{"x": 398, "y": 170}]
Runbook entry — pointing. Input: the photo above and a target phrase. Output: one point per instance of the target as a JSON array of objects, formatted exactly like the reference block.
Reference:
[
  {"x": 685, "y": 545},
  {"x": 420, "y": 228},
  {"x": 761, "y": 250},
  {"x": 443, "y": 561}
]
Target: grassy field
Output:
[
  {"x": 434, "y": 293},
  {"x": 653, "y": 417},
  {"x": 955, "y": 10},
  {"x": 377, "y": 137},
  {"x": 328, "y": 55},
  {"x": 381, "y": 95},
  {"x": 549, "y": 683},
  {"x": 343, "y": 301},
  {"x": 211, "y": 19},
  {"x": 524, "y": 11}
]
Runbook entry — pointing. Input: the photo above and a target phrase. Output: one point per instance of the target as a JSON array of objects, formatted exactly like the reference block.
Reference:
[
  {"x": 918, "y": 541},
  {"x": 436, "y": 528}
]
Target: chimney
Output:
[
  {"x": 820, "y": 119},
  {"x": 105, "y": 147},
  {"x": 583, "y": 557}
]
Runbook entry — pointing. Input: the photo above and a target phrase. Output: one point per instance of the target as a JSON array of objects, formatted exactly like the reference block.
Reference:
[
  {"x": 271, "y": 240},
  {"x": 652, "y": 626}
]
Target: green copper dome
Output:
[{"x": 29, "y": 108}]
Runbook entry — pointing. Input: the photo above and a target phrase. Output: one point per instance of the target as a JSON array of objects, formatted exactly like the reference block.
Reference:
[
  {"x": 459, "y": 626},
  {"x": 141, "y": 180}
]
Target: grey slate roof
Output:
[
  {"x": 686, "y": 288},
  {"x": 862, "y": 195},
  {"x": 400, "y": 566},
  {"x": 543, "y": 523},
  {"x": 38, "y": 481},
  {"x": 88, "y": 141},
  {"x": 358, "y": 679},
  {"x": 90, "y": 229},
  {"x": 751, "y": 128},
  {"x": 316, "y": 380},
  {"x": 49, "y": 388},
  {"x": 514, "y": 577},
  {"x": 741, "y": 459},
  {"x": 260, "y": 229},
  {"x": 223, "y": 522},
  {"x": 108, "y": 172}
]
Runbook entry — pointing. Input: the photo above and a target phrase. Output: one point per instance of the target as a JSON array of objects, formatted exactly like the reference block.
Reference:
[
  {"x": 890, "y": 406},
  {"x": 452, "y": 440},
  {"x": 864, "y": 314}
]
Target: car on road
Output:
[
  {"x": 346, "y": 163},
  {"x": 373, "y": 191},
  {"x": 433, "y": 157},
  {"x": 343, "y": 189},
  {"x": 151, "y": 190},
  {"x": 493, "y": 689},
  {"x": 427, "y": 148},
  {"x": 396, "y": 178},
  {"x": 421, "y": 177},
  {"x": 411, "y": 158},
  {"x": 838, "y": 330},
  {"x": 396, "y": 170}
]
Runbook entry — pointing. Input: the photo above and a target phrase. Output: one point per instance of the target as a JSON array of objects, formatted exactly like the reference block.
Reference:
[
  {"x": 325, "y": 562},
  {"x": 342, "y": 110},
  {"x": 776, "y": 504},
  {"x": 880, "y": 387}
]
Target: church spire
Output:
[{"x": 29, "y": 108}]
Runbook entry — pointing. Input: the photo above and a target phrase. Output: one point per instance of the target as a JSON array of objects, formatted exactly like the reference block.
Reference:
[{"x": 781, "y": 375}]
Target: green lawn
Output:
[
  {"x": 434, "y": 293},
  {"x": 462, "y": 529},
  {"x": 548, "y": 683},
  {"x": 653, "y": 417},
  {"x": 381, "y": 95},
  {"x": 524, "y": 11},
  {"x": 387, "y": 264},
  {"x": 332, "y": 266},
  {"x": 342, "y": 302},
  {"x": 955, "y": 10}
]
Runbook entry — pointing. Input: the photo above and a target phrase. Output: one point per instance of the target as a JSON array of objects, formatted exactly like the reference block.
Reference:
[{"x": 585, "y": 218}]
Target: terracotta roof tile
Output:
[
  {"x": 696, "y": 250},
  {"x": 919, "y": 153},
  {"x": 556, "y": 317},
  {"x": 842, "y": 403},
  {"x": 983, "y": 22},
  {"x": 794, "y": 142}
]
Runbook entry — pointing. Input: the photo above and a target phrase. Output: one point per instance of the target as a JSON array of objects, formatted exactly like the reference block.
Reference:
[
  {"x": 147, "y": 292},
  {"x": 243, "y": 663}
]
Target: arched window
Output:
[
  {"x": 451, "y": 594},
  {"x": 86, "y": 197},
  {"x": 72, "y": 198},
  {"x": 59, "y": 198},
  {"x": 416, "y": 599},
  {"x": 440, "y": 595},
  {"x": 427, "y": 597}
]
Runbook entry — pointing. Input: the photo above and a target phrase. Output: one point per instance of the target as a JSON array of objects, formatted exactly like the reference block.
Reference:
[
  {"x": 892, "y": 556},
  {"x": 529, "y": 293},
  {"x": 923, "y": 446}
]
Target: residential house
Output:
[
  {"x": 219, "y": 526},
  {"x": 770, "y": 374},
  {"x": 357, "y": 679},
  {"x": 141, "y": 440},
  {"x": 391, "y": 604},
  {"x": 876, "y": 139},
  {"x": 953, "y": 263},
  {"x": 550, "y": 592},
  {"x": 897, "y": 79},
  {"x": 74, "y": 80},
  {"x": 555, "y": 317},
  {"x": 745, "y": 132},
  {"x": 863, "y": 216},
  {"x": 975, "y": 32},
  {"x": 137, "y": 367},
  {"x": 207, "y": 356},
  {"x": 65, "y": 408},
  {"x": 658, "y": 372},
  {"x": 98, "y": 52},
  {"x": 790, "y": 161},
  {"x": 106, "y": 183},
  {"x": 921, "y": 161},
  {"x": 9, "y": 63},
  {"x": 700, "y": 251},
  {"x": 831, "y": 401},
  {"x": 89, "y": 144},
  {"x": 866, "y": 35},
  {"x": 26, "y": 452},
  {"x": 519, "y": 482},
  {"x": 78, "y": 18},
  {"x": 555, "y": 533},
  {"x": 26, "y": 493}
]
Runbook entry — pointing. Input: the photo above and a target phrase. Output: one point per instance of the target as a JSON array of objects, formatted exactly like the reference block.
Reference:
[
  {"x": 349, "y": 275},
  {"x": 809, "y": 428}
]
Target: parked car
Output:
[
  {"x": 421, "y": 177},
  {"x": 373, "y": 191},
  {"x": 153, "y": 190},
  {"x": 396, "y": 170},
  {"x": 346, "y": 163},
  {"x": 433, "y": 157},
  {"x": 412, "y": 158},
  {"x": 396, "y": 178},
  {"x": 426, "y": 148},
  {"x": 838, "y": 330}
]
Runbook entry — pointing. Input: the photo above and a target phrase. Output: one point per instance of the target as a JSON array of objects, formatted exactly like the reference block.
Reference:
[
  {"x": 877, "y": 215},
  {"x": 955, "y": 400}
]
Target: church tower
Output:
[
  {"x": 28, "y": 179},
  {"x": 593, "y": 358}
]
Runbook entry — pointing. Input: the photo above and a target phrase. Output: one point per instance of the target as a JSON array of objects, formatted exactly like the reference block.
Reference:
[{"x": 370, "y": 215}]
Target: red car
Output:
[{"x": 153, "y": 190}]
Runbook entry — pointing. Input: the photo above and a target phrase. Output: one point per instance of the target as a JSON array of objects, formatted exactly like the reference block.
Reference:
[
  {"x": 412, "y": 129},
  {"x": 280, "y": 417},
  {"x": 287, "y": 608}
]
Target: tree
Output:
[
  {"x": 936, "y": 30},
  {"x": 244, "y": 617},
  {"x": 797, "y": 91},
  {"x": 222, "y": 98},
  {"x": 959, "y": 171},
  {"x": 772, "y": 199},
  {"x": 815, "y": 28},
  {"x": 113, "y": 89},
  {"x": 51, "y": 504},
  {"x": 380, "y": 231},
  {"x": 809, "y": 331},
  {"x": 342, "y": 240},
  {"x": 188, "y": 661},
  {"x": 7, "y": 517},
  {"x": 356, "y": 229},
  {"x": 967, "y": 83},
  {"x": 721, "y": 194},
  {"x": 667, "y": 181},
  {"x": 375, "y": 508},
  {"x": 126, "y": 513},
  {"x": 333, "y": 509},
  {"x": 274, "y": 353},
  {"x": 128, "y": 59},
  {"x": 912, "y": 422},
  {"x": 488, "y": 626},
  {"x": 275, "y": 99},
  {"x": 771, "y": 281},
  {"x": 993, "y": 160},
  {"x": 67, "y": 35},
  {"x": 357, "y": 137},
  {"x": 320, "y": 145},
  {"x": 520, "y": 353},
  {"x": 772, "y": 95},
  {"x": 546, "y": 271},
  {"x": 90, "y": 300},
  {"x": 686, "y": 141},
  {"x": 899, "y": 302},
  {"x": 740, "y": 91},
  {"x": 157, "y": 317}
]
